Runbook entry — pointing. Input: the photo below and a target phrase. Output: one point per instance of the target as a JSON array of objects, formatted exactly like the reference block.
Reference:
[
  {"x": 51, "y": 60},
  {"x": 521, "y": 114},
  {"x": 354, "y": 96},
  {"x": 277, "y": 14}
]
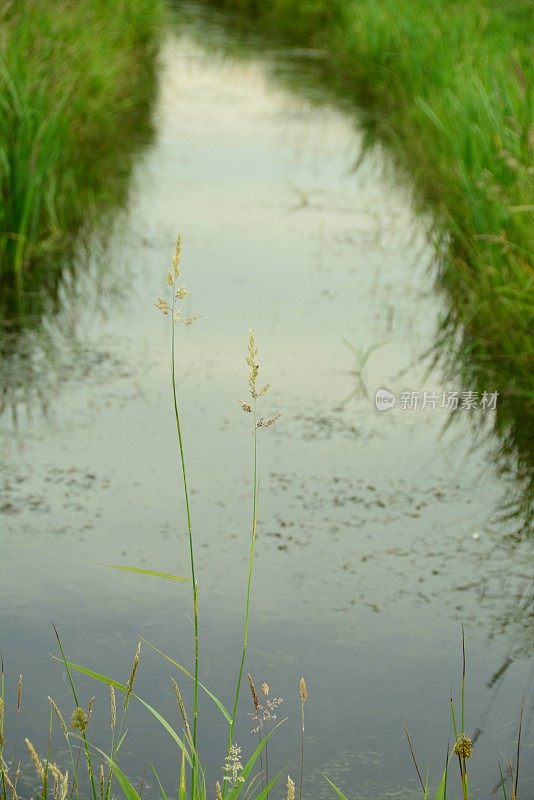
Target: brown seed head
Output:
[
  {"x": 133, "y": 673},
  {"x": 19, "y": 694},
  {"x": 253, "y": 692},
  {"x": 303, "y": 691},
  {"x": 463, "y": 746},
  {"x": 218, "y": 792}
]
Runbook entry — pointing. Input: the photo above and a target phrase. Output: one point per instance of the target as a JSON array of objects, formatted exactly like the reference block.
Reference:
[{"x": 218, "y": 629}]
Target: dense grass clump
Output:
[
  {"x": 448, "y": 84},
  {"x": 76, "y": 80}
]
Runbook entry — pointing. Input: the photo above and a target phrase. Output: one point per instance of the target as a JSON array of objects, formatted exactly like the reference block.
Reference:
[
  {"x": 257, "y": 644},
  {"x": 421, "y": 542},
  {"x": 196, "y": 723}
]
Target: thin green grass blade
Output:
[
  {"x": 336, "y": 789},
  {"x": 97, "y": 676},
  {"x": 441, "y": 793},
  {"x": 111, "y": 682},
  {"x": 215, "y": 699},
  {"x": 182, "y": 789},
  {"x": 503, "y": 782},
  {"x": 128, "y": 790},
  {"x": 121, "y": 741},
  {"x": 167, "y": 727},
  {"x": 265, "y": 792},
  {"x": 141, "y": 571},
  {"x": 161, "y": 789}
]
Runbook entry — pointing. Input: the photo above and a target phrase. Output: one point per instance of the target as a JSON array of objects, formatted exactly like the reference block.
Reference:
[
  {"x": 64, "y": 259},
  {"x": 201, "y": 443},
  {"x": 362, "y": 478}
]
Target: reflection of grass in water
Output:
[
  {"x": 76, "y": 84},
  {"x": 43, "y": 343},
  {"x": 449, "y": 87}
]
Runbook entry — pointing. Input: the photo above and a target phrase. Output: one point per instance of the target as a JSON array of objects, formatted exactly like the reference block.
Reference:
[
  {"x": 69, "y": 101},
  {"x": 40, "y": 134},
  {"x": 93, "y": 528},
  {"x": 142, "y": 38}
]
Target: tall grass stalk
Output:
[
  {"x": 250, "y": 567},
  {"x": 255, "y": 393},
  {"x": 83, "y": 732},
  {"x": 303, "y": 691},
  {"x": 172, "y": 277}
]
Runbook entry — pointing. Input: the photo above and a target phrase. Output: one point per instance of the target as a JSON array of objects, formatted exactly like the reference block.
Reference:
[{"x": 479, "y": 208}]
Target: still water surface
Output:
[{"x": 379, "y": 532}]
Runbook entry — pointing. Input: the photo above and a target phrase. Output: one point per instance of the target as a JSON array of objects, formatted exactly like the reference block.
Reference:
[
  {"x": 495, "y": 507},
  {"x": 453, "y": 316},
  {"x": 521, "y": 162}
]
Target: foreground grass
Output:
[
  {"x": 91, "y": 772},
  {"x": 76, "y": 81},
  {"x": 449, "y": 85}
]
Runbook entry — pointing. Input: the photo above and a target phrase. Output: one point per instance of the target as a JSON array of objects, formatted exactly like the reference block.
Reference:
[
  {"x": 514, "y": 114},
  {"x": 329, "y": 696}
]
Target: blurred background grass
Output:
[
  {"x": 76, "y": 81},
  {"x": 448, "y": 85}
]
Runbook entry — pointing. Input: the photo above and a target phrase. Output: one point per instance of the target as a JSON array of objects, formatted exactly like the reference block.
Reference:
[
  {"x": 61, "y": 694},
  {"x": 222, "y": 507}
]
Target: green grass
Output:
[
  {"x": 448, "y": 84},
  {"x": 76, "y": 82}
]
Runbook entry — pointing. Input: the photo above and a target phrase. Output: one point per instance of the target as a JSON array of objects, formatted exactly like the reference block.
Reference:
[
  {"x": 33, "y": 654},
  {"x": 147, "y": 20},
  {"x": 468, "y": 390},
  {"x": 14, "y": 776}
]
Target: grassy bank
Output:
[
  {"x": 76, "y": 81},
  {"x": 449, "y": 86}
]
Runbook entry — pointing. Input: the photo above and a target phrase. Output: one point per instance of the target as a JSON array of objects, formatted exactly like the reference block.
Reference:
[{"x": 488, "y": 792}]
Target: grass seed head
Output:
[
  {"x": 19, "y": 694},
  {"x": 113, "y": 707},
  {"x": 253, "y": 692},
  {"x": 37, "y": 763},
  {"x": 133, "y": 673},
  {"x": 290, "y": 789},
  {"x": 79, "y": 720},
  {"x": 181, "y": 707},
  {"x": 218, "y": 791},
  {"x": 463, "y": 746},
  {"x": 162, "y": 305},
  {"x": 177, "y": 257},
  {"x": 59, "y": 715},
  {"x": 303, "y": 691},
  {"x": 4, "y": 776}
]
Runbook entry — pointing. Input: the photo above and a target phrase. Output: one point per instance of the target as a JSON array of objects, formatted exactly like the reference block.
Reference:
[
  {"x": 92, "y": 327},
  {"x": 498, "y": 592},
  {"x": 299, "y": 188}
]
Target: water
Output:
[{"x": 379, "y": 532}]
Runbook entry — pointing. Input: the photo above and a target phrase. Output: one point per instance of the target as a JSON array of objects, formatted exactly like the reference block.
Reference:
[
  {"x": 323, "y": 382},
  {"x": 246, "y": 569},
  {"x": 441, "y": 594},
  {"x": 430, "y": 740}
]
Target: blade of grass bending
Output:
[
  {"x": 169, "y": 730},
  {"x": 75, "y": 696},
  {"x": 215, "y": 699},
  {"x": 128, "y": 790},
  {"x": 441, "y": 793},
  {"x": 142, "y": 571},
  {"x": 265, "y": 792},
  {"x": 161, "y": 789},
  {"x": 97, "y": 676},
  {"x": 503, "y": 782},
  {"x": 336, "y": 789},
  {"x": 413, "y": 755},
  {"x": 516, "y": 782}
]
